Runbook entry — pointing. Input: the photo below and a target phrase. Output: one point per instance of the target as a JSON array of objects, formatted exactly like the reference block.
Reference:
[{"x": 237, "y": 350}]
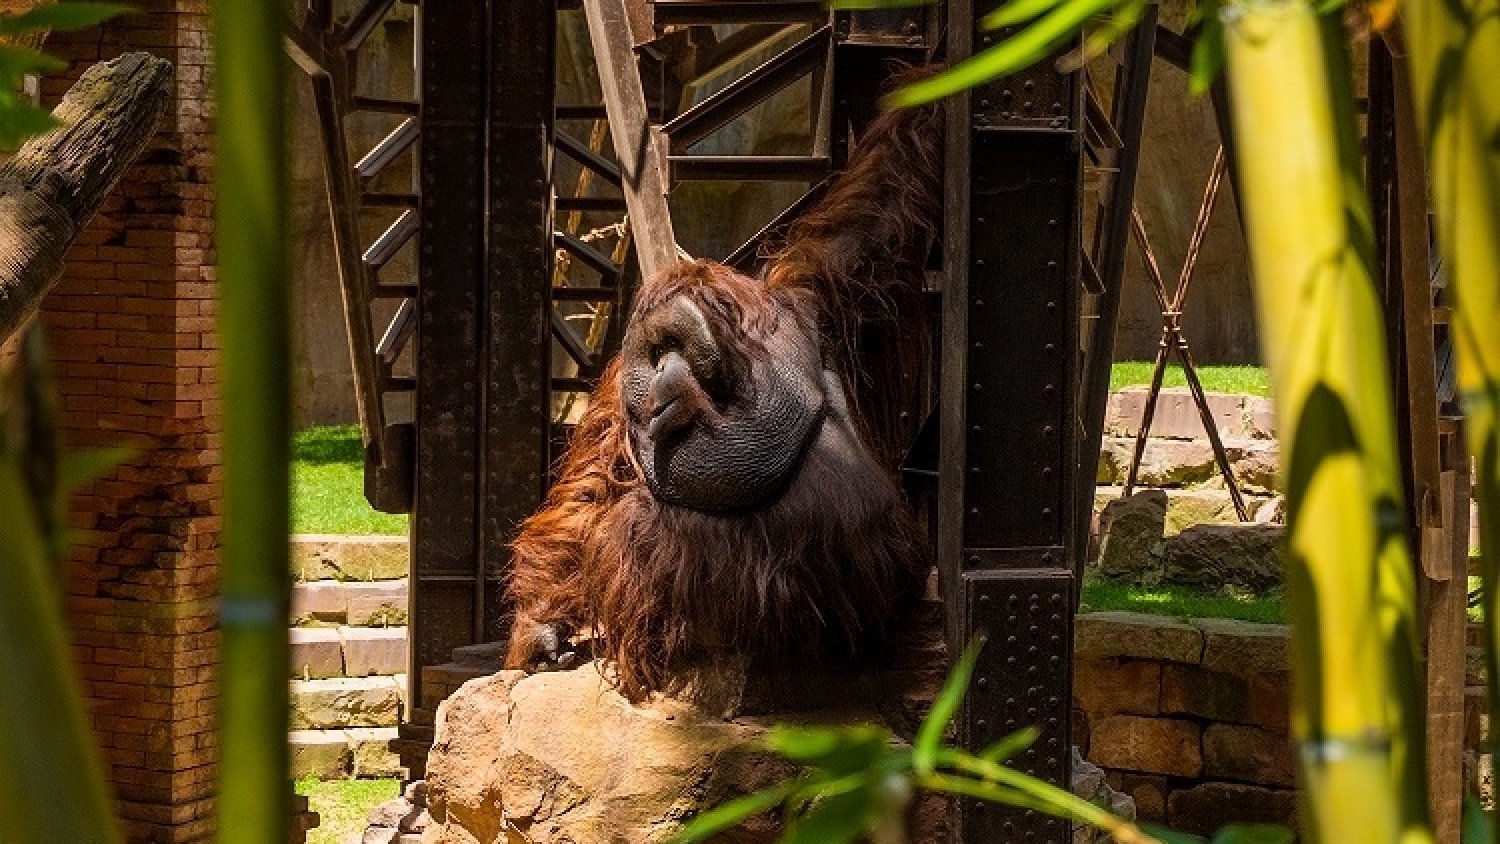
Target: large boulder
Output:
[
  {"x": 562, "y": 757},
  {"x": 1236, "y": 558},
  {"x": 1131, "y": 535}
]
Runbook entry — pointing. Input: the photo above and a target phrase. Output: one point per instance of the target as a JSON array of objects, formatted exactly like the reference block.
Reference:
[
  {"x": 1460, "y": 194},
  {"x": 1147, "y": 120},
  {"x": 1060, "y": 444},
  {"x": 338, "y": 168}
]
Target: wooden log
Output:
[{"x": 57, "y": 180}]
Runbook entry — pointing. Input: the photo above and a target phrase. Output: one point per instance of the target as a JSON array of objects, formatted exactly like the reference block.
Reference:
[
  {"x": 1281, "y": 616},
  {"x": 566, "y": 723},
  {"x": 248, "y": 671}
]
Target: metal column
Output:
[
  {"x": 1006, "y": 541},
  {"x": 482, "y": 309}
]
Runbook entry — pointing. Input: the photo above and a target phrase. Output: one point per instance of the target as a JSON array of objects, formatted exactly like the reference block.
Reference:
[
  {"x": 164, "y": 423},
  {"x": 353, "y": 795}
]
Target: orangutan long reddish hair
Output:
[{"x": 721, "y": 493}]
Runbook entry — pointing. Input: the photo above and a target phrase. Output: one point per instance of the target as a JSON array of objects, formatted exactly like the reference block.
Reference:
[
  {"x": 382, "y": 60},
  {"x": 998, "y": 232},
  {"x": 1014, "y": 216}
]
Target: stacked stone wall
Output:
[
  {"x": 131, "y": 326},
  {"x": 1191, "y": 717}
]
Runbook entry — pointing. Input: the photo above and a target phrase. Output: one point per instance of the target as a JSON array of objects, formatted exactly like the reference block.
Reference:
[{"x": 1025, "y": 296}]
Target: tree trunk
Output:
[{"x": 57, "y": 180}]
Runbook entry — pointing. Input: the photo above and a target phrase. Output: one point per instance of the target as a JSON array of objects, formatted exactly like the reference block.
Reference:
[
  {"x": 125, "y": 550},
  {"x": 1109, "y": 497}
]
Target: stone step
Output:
[
  {"x": 322, "y": 652},
  {"x": 349, "y": 558},
  {"x": 376, "y": 603},
  {"x": 1176, "y": 415},
  {"x": 347, "y": 702},
  {"x": 1200, "y": 505},
  {"x": 335, "y": 754},
  {"x": 1175, "y": 463}
]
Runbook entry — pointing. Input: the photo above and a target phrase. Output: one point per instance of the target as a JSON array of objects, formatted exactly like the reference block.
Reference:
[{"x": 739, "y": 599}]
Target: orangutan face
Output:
[{"x": 723, "y": 387}]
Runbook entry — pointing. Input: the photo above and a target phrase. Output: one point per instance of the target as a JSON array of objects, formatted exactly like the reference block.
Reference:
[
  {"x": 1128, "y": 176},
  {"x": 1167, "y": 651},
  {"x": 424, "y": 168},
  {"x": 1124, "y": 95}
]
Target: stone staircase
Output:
[{"x": 348, "y": 655}]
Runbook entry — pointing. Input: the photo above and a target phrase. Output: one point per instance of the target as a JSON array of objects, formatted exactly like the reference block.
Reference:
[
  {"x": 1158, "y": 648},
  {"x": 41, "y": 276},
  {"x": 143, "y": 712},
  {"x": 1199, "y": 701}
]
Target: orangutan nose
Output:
[{"x": 674, "y": 393}]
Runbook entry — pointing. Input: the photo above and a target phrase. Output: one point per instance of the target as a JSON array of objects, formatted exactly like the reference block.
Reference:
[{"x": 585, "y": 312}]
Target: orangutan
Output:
[{"x": 731, "y": 487}]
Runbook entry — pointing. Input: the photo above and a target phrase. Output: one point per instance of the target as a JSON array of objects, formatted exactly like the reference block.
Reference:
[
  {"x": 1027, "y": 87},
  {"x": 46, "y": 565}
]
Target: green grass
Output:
[
  {"x": 344, "y": 806},
  {"x": 328, "y": 485},
  {"x": 1178, "y": 602},
  {"x": 1248, "y": 380}
]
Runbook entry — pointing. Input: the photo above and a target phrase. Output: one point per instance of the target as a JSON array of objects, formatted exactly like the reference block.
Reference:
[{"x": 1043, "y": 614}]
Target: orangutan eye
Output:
[{"x": 669, "y": 343}]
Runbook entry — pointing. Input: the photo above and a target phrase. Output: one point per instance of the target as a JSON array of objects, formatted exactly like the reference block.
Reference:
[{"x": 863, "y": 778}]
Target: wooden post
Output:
[{"x": 639, "y": 145}]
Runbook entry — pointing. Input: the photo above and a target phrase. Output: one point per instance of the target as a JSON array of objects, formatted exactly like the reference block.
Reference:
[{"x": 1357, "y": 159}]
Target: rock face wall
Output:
[{"x": 560, "y": 757}]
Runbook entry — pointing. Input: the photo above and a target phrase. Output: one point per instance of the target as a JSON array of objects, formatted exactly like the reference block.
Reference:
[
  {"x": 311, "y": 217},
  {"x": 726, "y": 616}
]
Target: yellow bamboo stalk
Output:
[
  {"x": 1350, "y": 592},
  {"x": 1454, "y": 50}
]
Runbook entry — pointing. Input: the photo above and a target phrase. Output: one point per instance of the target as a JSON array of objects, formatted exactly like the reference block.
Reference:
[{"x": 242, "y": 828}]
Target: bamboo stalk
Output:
[
  {"x": 1454, "y": 51},
  {"x": 1350, "y": 591},
  {"x": 254, "y": 787},
  {"x": 52, "y": 788}
]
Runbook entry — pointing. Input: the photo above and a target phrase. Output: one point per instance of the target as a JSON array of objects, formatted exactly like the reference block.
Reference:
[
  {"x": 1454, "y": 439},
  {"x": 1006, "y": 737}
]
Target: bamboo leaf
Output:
[
  {"x": 51, "y": 781},
  {"x": 721, "y": 818},
  {"x": 837, "y": 750},
  {"x": 1018, "y": 12},
  {"x": 1022, "y": 50},
  {"x": 61, "y": 17},
  {"x": 17, "y": 61},
  {"x": 835, "y": 819},
  {"x": 1010, "y": 745},
  {"x": 1253, "y": 834},
  {"x": 1207, "y": 59},
  {"x": 84, "y": 465},
  {"x": 930, "y": 734},
  {"x": 20, "y": 121},
  {"x": 1170, "y": 836}
]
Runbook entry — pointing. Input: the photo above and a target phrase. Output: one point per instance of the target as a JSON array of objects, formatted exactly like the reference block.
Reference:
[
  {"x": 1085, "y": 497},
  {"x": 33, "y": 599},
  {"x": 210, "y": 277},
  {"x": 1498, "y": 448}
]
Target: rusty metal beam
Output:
[{"x": 638, "y": 145}]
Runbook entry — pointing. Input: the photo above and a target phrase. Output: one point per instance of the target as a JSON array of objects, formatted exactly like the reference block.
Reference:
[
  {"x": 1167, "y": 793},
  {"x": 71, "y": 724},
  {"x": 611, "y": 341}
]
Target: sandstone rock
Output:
[
  {"x": 1131, "y": 535},
  {"x": 1176, "y": 414},
  {"x": 344, "y": 702},
  {"x": 1256, "y": 465},
  {"x": 1248, "y": 754},
  {"x": 374, "y": 650},
  {"x": 1111, "y": 686},
  {"x": 1218, "y": 557},
  {"x": 350, "y": 558},
  {"x": 1244, "y": 647},
  {"x": 1137, "y": 636},
  {"x": 560, "y": 757},
  {"x": 380, "y": 603},
  {"x": 1272, "y": 512},
  {"x": 319, "y": 753},
  {"x": 370, "y": 752},
  {"x": 1163, "y": 463},
  {"x": 1261, "y": 416},
  {"x": 1206, "y": 504},
  {"x": 1149, "y": 791},
  {"x": 1270, "y": 700},
  {"x": 321, "y": 600},
  {"x": 1196, "y": 691},
  {"x": 1209, "y": 504},
  {"x": 316, "y": 652},
  {"x": 1149, "y": 745},
  {"x": 1206, "y": 807}
]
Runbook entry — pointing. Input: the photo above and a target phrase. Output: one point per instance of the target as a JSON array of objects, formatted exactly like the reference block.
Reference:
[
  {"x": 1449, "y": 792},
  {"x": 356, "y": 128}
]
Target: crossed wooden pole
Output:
[{"x": 1173, "y": 340}]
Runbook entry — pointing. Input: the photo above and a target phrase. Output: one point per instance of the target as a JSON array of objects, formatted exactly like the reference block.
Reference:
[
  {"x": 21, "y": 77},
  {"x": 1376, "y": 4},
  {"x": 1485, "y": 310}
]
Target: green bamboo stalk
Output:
[
  {"x": 52, "y": 788},
  {"x": 1454, "y": 50},
  {"x": 1350, "y": 589},
  {"x": 254, "y": 784}
]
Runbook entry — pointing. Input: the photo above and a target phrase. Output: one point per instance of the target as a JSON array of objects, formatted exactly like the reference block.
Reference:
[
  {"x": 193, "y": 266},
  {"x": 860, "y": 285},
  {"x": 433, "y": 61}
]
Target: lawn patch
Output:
[
  {"x": 1179, "y": 602},
  {"x": 344, "y": 806},
  {"x": 328, "y": 485},
  {"x": 1242, "y": 380}
]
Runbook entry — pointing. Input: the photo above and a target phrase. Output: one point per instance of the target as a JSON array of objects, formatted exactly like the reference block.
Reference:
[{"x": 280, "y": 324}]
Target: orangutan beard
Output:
[{"x": 819, "y": 573}]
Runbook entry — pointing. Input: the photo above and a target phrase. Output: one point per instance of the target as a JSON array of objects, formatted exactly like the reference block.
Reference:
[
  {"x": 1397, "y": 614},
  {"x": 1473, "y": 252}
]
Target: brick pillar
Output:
[{"x": 132, "y": 330}]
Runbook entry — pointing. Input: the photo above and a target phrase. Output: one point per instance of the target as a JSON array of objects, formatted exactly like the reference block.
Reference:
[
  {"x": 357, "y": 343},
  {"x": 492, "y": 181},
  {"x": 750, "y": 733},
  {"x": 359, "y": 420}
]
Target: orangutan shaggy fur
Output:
[{"x": 823, "y": 568}]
